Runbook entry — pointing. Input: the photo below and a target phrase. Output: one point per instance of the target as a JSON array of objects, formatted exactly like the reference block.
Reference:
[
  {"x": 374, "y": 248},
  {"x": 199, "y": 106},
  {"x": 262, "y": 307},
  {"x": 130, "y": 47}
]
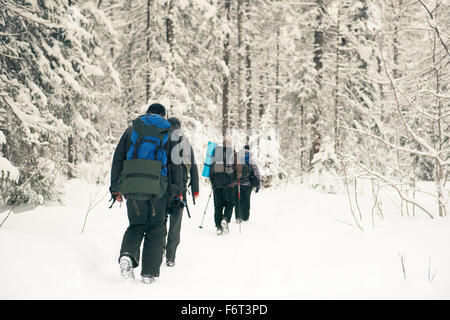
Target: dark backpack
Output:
[
  {"x": 223, "y": 170},
  {"x": 145, "y": 171},
  {"x": 246, "y": 168}
]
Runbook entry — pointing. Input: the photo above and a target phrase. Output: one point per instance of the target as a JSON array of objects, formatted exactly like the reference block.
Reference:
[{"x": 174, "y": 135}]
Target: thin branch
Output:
[
  {"x": 356, "y": 199},
  {"x": 433, "y": 27},
  {"x": 7, "y": 216},
  {"x": 394, "y": 186},
  {"x": 431, "y": 15},
  {"x": 91, "y": 206},
  {"x": 402, "y": 260},
  {"x": 348, "y": 193}
]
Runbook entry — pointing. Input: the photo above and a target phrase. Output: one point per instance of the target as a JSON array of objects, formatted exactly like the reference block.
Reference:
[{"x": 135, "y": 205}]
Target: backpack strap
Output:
[
  {"x": 138, "y": 143},
  {"x": 169, "y": 172},
  {"x": 143, "y": 130}
]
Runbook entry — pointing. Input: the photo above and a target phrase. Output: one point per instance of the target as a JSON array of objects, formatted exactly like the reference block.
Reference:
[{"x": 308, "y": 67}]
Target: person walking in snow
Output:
[
  {"x": 250, "y": 179},
  {"x": 141, "y": 171},
  {"x": 183, "y": 154},
  {"x": 224, "y": 174}
]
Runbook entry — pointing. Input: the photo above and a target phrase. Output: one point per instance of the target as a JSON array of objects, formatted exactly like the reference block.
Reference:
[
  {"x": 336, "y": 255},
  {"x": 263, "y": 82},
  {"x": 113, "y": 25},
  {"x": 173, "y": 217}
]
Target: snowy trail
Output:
[{"x": 292, "y": 248}]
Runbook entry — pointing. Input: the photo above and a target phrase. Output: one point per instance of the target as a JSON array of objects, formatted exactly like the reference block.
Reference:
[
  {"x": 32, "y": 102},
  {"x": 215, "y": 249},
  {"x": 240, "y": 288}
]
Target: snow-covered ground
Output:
[{"x": 296, "y": 245}]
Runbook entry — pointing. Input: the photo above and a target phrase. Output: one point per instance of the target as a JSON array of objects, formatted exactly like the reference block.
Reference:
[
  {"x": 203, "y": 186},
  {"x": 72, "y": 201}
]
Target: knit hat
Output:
[
  {"x": 175, "y": 122},
  {"x": 157, "y": 109}
]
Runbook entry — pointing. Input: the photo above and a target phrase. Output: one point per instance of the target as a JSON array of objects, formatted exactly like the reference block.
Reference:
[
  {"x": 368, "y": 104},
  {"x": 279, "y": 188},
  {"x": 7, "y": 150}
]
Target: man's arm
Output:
[{"x": 120, "y": 155}]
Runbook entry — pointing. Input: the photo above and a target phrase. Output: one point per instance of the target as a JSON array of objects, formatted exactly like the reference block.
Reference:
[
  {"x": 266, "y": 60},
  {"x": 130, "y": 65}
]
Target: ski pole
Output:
[{"x": 201, "y": 225}]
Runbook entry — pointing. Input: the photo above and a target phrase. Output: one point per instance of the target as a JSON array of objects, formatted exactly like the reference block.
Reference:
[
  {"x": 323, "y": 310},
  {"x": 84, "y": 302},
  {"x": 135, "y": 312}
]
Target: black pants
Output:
[
  {"x": 147, "y": 222},
  {"x": 223, "y": 204},
  {"x": 173, "y": 237},
  {"x": 242, "y": 209}
]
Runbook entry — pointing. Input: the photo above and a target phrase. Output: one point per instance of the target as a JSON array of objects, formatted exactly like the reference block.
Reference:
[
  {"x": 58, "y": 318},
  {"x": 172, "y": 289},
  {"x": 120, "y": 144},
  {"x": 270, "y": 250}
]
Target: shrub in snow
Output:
[
  {"x": 9, "y": 174},
  {"x": 324, "y": 174}
]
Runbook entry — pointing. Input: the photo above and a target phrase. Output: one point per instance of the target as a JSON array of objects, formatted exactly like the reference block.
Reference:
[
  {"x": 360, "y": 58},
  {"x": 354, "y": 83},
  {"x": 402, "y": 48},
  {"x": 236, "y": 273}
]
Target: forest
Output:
[{"x": 332, "y": 93}]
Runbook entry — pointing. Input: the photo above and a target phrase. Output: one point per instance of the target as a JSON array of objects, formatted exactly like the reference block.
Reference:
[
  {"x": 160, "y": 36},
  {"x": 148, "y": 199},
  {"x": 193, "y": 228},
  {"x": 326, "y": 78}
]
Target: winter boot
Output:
[
  {"x": 170, "y": 263},
  {"x": 225, "y": 225},
  {"x": 126, "y": 268},
  {"x": 219, "y": 231},
  {"x": 148, "y": 279}
]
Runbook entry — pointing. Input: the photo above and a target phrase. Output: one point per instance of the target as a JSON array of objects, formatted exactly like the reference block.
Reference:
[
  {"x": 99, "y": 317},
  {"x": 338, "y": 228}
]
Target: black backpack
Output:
[
  {"x": 246, "y": 171},
  {"x": 223, "y": 170}
]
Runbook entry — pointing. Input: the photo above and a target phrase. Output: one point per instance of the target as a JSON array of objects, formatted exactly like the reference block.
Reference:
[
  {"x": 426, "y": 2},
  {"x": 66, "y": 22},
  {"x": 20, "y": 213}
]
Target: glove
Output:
[
  {"x": 196, "y": 195},
  {"x": 257, "y": 189},
  {"x": 174, "y": 205},
  {"x": 118, "y": 195}
]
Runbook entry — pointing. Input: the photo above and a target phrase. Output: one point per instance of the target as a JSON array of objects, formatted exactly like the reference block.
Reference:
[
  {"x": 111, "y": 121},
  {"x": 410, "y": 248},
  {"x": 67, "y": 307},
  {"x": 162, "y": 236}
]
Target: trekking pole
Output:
[
  {"x": 186, "y": 204},
  {"x": 201, "y": 225},
  {"x": 187, "y": 209}
]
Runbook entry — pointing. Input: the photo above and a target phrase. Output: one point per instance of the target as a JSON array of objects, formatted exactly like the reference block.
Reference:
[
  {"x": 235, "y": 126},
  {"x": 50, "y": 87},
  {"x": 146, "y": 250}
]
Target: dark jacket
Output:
[
  {"x": 120, "y": 155},
  {"x": 237, "y": 169},
  {"x": 255, "y": 178},
  {"x": 192, "y": 178}
]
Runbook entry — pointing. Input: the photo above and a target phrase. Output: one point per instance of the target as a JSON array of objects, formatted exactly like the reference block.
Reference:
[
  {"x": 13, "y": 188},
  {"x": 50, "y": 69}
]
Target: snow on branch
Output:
[
  {"x": 31, "y": 17},
  {"x": 7, "y": 170}
]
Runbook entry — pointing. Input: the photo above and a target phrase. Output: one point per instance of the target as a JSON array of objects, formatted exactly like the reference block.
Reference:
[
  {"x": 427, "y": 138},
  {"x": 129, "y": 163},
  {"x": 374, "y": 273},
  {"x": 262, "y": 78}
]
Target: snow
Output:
[
  {"x": 8, "y": 170},
  {"x": 293, "y": 247},
  {"x": 115, "y": 75}
]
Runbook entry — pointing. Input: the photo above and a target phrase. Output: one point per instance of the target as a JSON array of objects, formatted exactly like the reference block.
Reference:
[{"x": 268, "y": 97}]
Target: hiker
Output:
[
  {"x": 223, "y": 179},
  {"x": 183, "y": 154},
  {"x": 141, "y": 172},
  {"x": 250, "y": 179}
]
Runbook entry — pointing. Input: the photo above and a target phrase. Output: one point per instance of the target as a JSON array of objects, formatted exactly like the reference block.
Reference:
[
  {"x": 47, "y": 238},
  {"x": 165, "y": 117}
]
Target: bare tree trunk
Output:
[
  {"x": 226, "y": 58},
  {"x": 129, "y": 96},
  {"x": 261, "y": 93},
  {"x": 318, "y": 44},
  {"x": 70, "y": 155},
  {"x": 336, "y": 89},
  {"x": 169, "y": 34},
  {"x": 277, "y": 80},
  {"x": 318, "y": 65},
  {"x": 302, "y": 138},
  {"x": 439, "y": 167},
  {"x": 240, "y": 102},
  {"x": 170, "y": 41},
  {"x": 249, "y": 71},
  {"x": 113, "y": 2},
  {"x": 147, "y": 67},
  {"x": 396, "y": 11}
]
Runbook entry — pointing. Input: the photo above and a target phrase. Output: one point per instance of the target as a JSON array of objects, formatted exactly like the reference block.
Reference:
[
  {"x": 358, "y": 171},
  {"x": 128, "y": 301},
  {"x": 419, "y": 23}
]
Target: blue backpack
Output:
[
  {"x": 246, "y": 170},
  {"x": 145, "y": 172}
]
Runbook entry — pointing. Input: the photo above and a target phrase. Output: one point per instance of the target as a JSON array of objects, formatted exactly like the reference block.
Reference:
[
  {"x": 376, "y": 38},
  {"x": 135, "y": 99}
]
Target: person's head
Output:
[
  {"x": 157, "y": 108},
  {"x": 247, "y": 147},
  {"x": 175, "y": 122}
]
